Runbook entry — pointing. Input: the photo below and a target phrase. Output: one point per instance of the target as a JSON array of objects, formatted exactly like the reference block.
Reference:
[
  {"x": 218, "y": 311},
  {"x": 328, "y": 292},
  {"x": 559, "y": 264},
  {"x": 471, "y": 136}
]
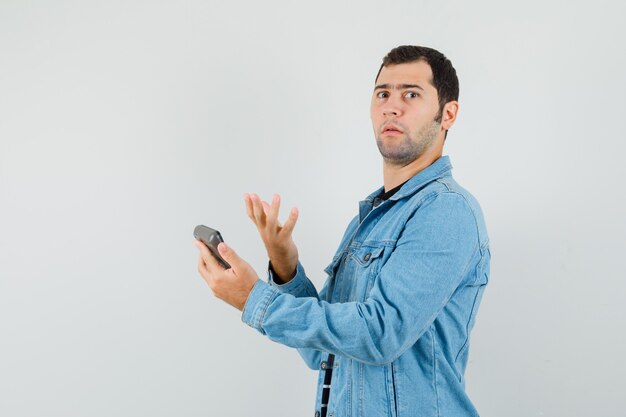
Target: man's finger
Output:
[
  {"x": 266, "y": 208},
  {"x": 272, "y": 215},
  {"x": 258, "y": 210},
  {"x": 291, "y": 221},
  {"x": 249, "y": 208},
  {"x": 229, "y": 254},
  {"x": 209, "y": 260},
  {"x": 201, "y": 265},
  {"x": 204, "y": 272}
]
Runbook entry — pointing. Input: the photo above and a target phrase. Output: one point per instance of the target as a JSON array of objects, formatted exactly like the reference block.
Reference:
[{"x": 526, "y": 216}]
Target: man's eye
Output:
[
  {"x": 382, "y": 94},
  {"x": 411, "y": 94}
]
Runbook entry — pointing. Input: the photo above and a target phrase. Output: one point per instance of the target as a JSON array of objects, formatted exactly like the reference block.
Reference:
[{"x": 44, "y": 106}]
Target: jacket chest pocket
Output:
[
  {"x": 367, "y": 256},
  {"x": 366, "y": 264},
  {"x": 332, "y": 270}
]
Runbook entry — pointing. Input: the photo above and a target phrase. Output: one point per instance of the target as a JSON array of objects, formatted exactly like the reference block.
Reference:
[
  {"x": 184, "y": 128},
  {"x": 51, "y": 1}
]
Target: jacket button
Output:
[
  {"x": 324, "y": 365},
  {"x": 367, "y": 256},
  {"x": 317, "y": 414}
]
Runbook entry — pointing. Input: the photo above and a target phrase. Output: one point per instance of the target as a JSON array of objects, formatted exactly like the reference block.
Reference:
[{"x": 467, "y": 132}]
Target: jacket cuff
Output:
[
  {"x": 257, "y": 303},
  {"x": 297, "y": 286}
]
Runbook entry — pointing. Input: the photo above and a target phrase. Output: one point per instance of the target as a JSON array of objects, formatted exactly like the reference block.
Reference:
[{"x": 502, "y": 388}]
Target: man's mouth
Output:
[{"x": 391, "y": 129}]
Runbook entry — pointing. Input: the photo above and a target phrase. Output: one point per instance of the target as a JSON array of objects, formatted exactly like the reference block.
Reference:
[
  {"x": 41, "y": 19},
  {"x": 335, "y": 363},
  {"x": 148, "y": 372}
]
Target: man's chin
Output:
[{"x": 397, "y": 158}]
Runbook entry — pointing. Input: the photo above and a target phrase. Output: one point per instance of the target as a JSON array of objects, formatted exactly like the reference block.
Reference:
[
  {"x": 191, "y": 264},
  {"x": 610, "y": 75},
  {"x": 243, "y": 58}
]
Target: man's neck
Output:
[{"x": 394, "y": 175}]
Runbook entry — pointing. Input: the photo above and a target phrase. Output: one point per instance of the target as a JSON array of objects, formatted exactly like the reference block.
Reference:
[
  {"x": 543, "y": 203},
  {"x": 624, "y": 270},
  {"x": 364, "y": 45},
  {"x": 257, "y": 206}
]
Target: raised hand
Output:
[{"x": 279, "y": 244}]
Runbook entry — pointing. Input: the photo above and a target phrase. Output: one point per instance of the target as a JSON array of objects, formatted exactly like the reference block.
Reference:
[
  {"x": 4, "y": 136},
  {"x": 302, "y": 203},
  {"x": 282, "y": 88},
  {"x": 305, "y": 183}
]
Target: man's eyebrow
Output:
[{"x": 397, "y": 86}]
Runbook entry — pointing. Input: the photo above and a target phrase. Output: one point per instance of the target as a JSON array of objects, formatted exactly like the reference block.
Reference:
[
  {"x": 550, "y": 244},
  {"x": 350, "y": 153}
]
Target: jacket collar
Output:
[
  {"x": 437, "y": 169},
  {"x": 440, "y": 168}
]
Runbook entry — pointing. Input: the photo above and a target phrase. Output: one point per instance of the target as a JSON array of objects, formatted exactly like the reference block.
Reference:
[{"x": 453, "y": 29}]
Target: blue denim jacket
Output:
[{"x": 401, "y": 297}]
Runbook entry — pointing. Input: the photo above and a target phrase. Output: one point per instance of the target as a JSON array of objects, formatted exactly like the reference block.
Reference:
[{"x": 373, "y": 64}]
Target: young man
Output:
[{"x": 390, "y": 329}]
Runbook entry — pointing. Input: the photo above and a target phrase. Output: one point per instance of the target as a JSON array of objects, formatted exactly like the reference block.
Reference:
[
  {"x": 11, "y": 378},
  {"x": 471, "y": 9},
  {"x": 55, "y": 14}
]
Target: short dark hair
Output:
[{"x": 444, "y": 79}]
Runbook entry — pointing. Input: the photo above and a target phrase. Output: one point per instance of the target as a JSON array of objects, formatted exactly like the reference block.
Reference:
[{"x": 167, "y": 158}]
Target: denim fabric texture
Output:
[{"x": 397, "y": 308}]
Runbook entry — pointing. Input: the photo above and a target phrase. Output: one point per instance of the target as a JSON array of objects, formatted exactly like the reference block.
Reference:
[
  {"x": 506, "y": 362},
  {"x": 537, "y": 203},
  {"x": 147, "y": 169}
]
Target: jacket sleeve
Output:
[
  {"x": 434, "y": 252},
  {"x": 300, "y": 286}
]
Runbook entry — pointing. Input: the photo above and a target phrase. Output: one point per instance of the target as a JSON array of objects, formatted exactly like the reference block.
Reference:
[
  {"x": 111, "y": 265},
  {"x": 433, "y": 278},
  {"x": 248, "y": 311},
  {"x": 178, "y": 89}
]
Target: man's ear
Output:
[{"x": 448, "y": 115}]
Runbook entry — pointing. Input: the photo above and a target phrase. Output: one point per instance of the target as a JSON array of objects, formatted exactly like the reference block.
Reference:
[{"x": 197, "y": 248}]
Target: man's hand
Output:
[
  {"x": 231, "y": 285},
  {"x": 280, "y": 247}
]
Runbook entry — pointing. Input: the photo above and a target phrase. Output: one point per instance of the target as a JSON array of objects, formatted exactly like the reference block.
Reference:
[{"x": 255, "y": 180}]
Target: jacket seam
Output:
[
  {"x": 270, "y": 299},
  {"x": 472, "y": 312},
  {"x": 432, "y": 336}
]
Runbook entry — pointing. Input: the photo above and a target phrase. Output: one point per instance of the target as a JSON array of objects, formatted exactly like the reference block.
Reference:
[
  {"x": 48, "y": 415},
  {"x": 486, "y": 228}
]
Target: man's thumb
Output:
[{"x": 228, "y": 253}]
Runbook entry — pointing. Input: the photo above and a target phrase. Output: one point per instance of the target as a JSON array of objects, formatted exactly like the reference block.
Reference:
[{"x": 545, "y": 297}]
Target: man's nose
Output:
[{"x": 392, "y": 107}]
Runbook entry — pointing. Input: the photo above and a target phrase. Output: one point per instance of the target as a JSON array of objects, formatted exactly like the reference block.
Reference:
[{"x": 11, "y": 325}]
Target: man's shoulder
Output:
[
  {"x": 445, "y": 197},
  {"x": 448, "y": 185}
]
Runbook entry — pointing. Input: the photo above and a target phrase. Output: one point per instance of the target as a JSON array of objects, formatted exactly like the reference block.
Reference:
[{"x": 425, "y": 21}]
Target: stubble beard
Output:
[{"x": 403, "y": 151}]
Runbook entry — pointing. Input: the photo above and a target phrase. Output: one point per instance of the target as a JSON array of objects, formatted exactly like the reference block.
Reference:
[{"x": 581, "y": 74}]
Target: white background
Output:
[{"x": 123, "y": 124}]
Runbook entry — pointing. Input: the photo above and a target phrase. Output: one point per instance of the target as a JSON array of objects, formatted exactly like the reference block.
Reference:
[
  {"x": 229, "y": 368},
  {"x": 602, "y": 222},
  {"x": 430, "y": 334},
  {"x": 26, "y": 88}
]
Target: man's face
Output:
[{"x": 403, "y": 111}]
